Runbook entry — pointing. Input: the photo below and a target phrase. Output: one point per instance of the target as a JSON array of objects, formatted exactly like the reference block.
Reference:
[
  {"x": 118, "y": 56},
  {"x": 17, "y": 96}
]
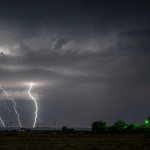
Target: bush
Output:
[
  {"x": 64, "y": 128},
  {"x": 120, "y": 123},
  {"x": 95, "y": 126},
  {"x": 148, "y": 119},
  {"x": 132, "y": 127},
  {"x": 99, "y": 126},
  {"x": 145, "y": 124},
  {"x": 113, "y": 128}
]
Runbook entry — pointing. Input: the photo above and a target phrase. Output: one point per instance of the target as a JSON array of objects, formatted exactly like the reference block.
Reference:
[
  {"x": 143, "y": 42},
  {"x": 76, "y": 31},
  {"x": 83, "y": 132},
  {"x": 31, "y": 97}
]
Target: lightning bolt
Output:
[
  {"x": 4, "y": 90},
  {"x": 16, "y": 112},
  {"x": 4, "y": 104},
  {"x": 2, "y": 99},
  {"x": 0, "y": 117},
  {"x": 35, "y": 105},
  {"x": 41, "y": 90},
  {"x": 2, "y": 122},
  {"x": 14, "y": 106}
]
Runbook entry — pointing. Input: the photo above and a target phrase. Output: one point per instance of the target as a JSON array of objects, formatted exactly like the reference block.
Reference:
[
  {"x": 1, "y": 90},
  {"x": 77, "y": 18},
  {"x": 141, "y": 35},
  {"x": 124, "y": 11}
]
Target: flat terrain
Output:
[{"x": 55, "y": 141}]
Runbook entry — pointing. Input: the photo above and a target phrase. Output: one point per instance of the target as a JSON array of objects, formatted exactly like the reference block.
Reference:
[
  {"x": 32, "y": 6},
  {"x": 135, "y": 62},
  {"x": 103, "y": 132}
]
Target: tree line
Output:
[{"x": 119, "y": 125}]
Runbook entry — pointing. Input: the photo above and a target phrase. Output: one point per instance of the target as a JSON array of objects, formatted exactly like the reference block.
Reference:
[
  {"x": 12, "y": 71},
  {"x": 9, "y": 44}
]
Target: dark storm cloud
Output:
[
  {"x": 75, "y": 18},
  {"x": 92, "y": 55},
  {"x": 135, "y": 40},
  {"x": 60, "y": 42}
]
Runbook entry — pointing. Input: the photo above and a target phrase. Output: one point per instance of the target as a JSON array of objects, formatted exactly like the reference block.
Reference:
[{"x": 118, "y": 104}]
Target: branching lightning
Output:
[
  {"x": 4, "y": 90},
  {"x": 2, "y": 122},
  {"x": 40, "y": 90},
  {"x": 35, "y": 105},
  {"x": 4, "y": 104},
  {"x": 14, "y": 106},
  {"x": 2, "y": 97},
  {"x": 16, "y": 112},
  {"x": 0, "y": 117}
]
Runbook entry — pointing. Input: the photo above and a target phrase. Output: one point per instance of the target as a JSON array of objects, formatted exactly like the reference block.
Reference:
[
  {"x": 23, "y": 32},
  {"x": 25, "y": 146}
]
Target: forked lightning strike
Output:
[
  {"x": 14, "y": 106},
  {"x": 4, "y": 90},
  {"x": 16, "y": 112},
  {"x": 35, "y": 105},
  {"x": 2, "y": 122},
  {"x": 2, "y": 97},
  {"x": 0, "y": 117}
]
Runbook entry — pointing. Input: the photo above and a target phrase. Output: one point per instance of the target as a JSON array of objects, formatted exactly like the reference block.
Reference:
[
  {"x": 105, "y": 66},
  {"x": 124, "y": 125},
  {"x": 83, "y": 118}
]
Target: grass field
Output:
[{"x": 46, "y": 140}]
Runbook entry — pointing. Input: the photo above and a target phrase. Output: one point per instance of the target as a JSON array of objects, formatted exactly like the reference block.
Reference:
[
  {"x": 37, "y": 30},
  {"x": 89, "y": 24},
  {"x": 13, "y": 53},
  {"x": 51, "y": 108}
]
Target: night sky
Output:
[{"x": 91, "y": 57}]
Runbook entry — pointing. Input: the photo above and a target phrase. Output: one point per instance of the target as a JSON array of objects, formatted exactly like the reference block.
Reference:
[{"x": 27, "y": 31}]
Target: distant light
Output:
[
  {"x": 29, "y": 83},
  {"x": 146, "y": 121}
]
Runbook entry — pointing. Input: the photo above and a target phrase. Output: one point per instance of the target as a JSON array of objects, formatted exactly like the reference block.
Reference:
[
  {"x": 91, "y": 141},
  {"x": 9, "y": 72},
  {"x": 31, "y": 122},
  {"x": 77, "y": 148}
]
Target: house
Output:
[{"x": 24, "y": 129}]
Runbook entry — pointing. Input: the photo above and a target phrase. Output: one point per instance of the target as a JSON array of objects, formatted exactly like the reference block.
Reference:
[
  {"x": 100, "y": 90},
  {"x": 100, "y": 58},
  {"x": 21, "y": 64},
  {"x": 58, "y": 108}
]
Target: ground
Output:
[{"x": 52, "y": 141}]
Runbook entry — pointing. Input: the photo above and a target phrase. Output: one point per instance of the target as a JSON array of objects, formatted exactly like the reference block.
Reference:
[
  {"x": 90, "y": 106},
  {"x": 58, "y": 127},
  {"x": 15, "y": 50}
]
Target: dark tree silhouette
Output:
[
  {"x": 120, "y": 123},
  {"x": 99, "y": 126},
  {"x": 64, "y": 128},
  {"x": 148, "y": 119},
  {"x": 113, "y": 128},
  {"x": 131, "y": 127}
]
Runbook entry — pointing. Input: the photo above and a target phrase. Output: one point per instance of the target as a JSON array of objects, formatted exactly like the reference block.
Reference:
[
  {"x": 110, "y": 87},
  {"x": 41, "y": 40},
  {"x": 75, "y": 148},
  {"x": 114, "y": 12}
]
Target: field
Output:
[{"x": 46, "y": 140}]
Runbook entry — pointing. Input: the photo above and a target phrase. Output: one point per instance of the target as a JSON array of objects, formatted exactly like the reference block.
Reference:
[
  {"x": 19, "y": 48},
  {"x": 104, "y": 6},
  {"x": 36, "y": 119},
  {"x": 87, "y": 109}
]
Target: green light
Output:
[
  {"x": 146, "y": 121},
  {"x": 125, "y": 127}
]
